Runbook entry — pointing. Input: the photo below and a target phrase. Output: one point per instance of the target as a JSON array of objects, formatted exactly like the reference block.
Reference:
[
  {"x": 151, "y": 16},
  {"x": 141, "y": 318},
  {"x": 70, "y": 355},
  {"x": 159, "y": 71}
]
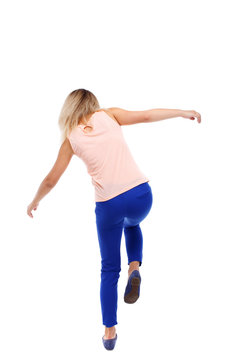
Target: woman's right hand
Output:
[{"x": 191, "y": 114}]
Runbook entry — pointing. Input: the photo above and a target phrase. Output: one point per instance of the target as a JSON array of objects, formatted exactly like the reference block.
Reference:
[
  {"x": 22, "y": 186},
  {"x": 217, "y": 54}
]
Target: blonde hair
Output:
[{"x": 78, "y": 104}]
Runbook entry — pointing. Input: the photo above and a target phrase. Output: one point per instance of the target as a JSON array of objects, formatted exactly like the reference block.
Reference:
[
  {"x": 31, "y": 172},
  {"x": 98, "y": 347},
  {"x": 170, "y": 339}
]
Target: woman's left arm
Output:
[{"x": 64, "y": 156}]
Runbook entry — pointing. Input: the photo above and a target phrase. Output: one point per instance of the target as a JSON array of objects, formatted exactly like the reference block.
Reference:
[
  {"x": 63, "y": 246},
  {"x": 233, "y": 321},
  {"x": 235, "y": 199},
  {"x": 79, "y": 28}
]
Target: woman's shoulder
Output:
[{"x": 109, "y": 113}]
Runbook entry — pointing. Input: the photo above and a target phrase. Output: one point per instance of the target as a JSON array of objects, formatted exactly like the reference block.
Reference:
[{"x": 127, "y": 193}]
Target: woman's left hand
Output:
[{"x": 32, "y": 206}]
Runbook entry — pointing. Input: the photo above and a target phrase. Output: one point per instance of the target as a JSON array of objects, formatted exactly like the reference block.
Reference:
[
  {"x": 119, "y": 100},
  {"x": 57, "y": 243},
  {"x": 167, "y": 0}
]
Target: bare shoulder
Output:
[{"x": 129, "y": 117}]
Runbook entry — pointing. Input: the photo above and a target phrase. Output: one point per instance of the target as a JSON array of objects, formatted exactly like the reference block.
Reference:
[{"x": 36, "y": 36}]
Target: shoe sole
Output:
[{"x": 132, "y": 296}]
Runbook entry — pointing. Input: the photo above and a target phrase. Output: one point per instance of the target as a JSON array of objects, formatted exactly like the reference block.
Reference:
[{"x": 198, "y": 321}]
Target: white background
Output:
[{"x": 136, "y": 55}]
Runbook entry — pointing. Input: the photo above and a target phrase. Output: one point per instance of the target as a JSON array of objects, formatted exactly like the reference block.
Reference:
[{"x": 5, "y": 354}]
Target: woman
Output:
[{"x": 123, "y": 197}]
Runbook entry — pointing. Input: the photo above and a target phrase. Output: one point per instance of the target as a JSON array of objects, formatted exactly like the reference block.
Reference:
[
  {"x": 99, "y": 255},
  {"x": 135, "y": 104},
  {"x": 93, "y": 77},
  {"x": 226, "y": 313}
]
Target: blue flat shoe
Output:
[
  {"x": 132, "y": 291},
  {"x": 109, "y": 344}
]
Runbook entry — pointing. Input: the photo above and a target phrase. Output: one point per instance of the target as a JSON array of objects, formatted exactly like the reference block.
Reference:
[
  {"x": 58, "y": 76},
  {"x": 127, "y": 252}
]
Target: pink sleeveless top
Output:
[{"x": 106, "y": 155}]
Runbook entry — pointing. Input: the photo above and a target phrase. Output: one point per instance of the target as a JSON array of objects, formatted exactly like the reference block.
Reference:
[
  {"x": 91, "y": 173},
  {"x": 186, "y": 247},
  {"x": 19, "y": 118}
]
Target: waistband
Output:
[{"x": 136, "y": 190}]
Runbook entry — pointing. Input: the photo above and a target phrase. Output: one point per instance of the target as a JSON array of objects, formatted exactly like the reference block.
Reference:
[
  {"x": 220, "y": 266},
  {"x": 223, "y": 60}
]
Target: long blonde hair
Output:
[{"x": 78, "y": 104}]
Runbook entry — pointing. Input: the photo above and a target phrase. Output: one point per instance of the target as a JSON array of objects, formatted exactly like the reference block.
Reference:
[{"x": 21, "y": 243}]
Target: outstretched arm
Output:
[
  {"x": 126, "y": 117},
  {"x": 161, "y": 114},
  {"x": 64, "y": 156}
]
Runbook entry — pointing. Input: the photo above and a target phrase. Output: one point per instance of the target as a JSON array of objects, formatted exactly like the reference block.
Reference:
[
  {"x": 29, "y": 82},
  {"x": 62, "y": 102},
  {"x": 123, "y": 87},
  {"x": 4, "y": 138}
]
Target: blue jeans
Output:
[{"x": 124, "y": 211}]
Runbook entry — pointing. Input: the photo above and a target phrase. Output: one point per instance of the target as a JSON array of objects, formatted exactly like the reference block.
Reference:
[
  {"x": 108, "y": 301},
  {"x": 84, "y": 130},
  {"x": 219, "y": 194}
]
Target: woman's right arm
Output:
[
  {"x": 161, "y": 114},
  {"x": 125, "y": 117}
]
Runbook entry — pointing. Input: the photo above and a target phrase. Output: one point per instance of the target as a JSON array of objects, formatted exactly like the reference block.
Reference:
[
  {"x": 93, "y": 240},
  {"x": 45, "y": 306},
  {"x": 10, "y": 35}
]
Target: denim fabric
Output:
[{"x": 123, "y": 212}]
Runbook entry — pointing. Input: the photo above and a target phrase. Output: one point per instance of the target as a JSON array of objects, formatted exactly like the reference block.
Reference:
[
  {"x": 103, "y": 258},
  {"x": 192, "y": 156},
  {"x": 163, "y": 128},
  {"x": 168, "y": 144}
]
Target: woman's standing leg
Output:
[
  {"x": 110, "y": 243},
  {"x": 109, "y": 220}
]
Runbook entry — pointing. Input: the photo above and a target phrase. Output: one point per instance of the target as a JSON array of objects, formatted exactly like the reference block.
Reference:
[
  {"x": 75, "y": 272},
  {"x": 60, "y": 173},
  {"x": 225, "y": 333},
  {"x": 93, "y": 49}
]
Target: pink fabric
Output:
[{"x": 106, "y": 155}]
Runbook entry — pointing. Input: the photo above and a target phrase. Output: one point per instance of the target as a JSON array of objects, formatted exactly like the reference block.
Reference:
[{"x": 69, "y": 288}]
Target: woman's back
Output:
[{"x": 106, "y": 155}]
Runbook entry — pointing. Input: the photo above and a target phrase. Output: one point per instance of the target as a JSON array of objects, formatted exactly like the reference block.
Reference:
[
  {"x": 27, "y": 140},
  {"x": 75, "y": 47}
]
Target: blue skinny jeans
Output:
[{"x": 123, "y": 212}]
